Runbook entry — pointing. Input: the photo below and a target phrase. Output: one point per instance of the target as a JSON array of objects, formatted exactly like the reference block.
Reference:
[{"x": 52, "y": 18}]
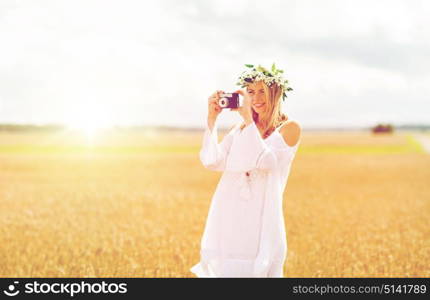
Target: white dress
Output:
[{"x": 245, "y": 235}]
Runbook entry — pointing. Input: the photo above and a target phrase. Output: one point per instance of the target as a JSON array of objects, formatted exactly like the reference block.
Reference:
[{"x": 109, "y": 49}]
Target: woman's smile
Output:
[{"x": 259, "y": 105}]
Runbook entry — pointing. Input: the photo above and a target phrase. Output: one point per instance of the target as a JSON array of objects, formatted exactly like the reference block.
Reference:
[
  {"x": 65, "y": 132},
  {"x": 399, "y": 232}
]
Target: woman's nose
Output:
[{"x": 259, "y": 98}]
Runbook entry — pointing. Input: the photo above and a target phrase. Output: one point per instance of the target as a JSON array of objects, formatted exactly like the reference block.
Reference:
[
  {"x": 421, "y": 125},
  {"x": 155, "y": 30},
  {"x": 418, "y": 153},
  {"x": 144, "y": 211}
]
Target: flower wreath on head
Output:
[{"x": 269, "y": 77}]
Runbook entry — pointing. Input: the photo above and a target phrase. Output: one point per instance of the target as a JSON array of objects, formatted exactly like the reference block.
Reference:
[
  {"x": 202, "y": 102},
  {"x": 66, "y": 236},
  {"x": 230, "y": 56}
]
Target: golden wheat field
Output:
[{"x": 134, "y": 204}]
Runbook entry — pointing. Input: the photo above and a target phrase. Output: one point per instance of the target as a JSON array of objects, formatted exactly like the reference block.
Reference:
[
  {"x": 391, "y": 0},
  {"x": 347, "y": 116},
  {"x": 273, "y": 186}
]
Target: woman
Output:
[{"x": 244, "y": 234}]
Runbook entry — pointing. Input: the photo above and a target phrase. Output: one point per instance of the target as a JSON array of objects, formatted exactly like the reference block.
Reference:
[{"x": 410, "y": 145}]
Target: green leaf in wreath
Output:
[
  {"x": 249, "y": 66},
  {"x": 261, "y": 69}
]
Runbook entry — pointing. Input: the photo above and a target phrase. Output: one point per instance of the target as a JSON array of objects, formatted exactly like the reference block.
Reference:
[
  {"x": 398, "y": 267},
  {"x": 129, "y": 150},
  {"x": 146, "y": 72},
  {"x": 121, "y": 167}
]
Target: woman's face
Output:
[{"x": 258, "y": 96}]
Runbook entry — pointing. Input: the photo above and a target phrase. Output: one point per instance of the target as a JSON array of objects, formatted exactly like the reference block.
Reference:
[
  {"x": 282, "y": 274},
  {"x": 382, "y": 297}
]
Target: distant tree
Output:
[
  {"x": 30, "y": 127},
  {"x": 383, "y": 128}
]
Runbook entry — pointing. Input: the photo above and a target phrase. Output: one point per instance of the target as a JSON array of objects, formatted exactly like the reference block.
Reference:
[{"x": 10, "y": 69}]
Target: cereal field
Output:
[{"x": 134, "y": 205}]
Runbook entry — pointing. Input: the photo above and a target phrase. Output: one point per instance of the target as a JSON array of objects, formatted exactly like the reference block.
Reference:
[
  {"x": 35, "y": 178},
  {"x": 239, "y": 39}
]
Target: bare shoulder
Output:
[{"x": 291, "y": 132}]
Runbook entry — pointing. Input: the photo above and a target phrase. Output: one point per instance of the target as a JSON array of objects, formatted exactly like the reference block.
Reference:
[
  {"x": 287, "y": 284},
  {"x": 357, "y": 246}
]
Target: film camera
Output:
[{"x": 230, "y": 100}]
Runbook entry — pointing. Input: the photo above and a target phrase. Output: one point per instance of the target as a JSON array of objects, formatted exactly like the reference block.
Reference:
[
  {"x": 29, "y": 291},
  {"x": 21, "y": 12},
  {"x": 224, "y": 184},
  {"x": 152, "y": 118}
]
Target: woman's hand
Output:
[
  {"x": 213, "y": 107},
  {"x": 246, "y": 109}
]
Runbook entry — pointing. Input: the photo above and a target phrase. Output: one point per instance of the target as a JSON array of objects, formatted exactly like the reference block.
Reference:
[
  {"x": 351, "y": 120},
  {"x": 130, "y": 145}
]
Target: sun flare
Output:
[{"x": 88, "y": 119}]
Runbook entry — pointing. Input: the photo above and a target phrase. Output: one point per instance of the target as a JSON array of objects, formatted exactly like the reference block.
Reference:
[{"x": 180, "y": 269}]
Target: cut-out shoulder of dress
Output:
[
  {"x": 284, "y": 142},
  {"x": 282, "y": 136}
]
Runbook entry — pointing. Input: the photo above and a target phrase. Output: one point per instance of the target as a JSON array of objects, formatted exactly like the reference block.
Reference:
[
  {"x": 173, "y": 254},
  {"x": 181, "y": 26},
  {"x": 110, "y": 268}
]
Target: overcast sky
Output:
[{"x": 351, "y": 63}]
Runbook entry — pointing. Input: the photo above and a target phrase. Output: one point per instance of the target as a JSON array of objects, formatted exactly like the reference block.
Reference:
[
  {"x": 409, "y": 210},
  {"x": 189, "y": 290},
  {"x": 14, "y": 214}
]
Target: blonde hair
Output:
[{"x": 273, "y": 117}]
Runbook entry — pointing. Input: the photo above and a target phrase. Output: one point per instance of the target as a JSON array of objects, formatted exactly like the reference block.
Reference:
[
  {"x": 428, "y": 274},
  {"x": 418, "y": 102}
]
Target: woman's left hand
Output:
[{"x": 246, "y": 109}]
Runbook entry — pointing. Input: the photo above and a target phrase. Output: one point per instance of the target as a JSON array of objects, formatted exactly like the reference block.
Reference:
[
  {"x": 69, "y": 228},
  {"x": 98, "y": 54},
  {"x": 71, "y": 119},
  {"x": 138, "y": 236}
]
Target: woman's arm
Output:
[
  {"x": 213, "y": 155},
  {"x": 251, "y": 152}
]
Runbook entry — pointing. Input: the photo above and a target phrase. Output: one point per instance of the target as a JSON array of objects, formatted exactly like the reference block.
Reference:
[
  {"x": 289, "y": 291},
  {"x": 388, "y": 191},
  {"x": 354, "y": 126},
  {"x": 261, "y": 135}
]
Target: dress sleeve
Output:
[
  {"x": 249, "y": 151},
  {"x": 213, "y": 155}
]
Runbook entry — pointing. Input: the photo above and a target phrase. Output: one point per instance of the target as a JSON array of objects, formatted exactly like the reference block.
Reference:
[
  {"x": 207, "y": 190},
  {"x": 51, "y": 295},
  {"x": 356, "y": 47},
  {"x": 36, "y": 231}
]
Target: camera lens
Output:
[{"x": 223, "y": 102}]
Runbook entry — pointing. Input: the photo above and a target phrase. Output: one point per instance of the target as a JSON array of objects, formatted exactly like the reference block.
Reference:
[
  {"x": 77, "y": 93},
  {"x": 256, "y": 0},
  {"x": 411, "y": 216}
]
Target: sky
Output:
[{"x": 104, "y": 63}]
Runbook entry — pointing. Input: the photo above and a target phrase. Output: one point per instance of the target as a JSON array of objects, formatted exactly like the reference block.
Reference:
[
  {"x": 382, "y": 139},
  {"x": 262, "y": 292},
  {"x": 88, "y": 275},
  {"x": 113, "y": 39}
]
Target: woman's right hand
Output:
[{"x": 213, "y": 107}]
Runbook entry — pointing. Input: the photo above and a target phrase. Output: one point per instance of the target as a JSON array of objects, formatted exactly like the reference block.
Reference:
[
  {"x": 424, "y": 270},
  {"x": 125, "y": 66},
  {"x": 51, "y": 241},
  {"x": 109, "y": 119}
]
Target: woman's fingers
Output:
[
  {"x": 215, "y": 96},
  {"x": 239, "y": 92},
  {"x": 215, "y": 106},
  {"x": 213, "y": 99}
]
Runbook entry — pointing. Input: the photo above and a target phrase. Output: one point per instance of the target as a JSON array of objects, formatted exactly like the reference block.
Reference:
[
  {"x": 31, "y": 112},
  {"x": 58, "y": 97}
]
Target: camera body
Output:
[{"x": 230, "y": 100}]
